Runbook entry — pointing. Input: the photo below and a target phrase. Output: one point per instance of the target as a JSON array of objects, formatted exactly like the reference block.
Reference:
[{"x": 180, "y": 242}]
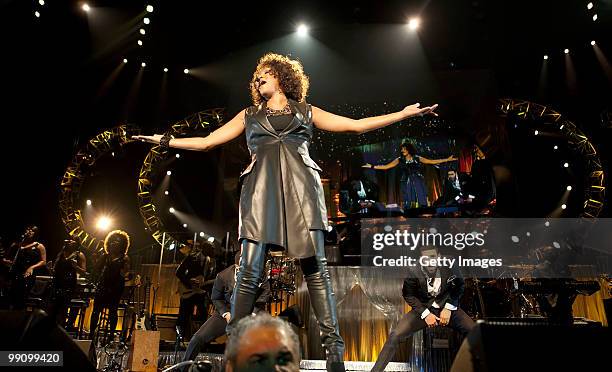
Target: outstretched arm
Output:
[
  {"x": 436, "y": 161},
  {"x": 393, "y": 163},
  {"x": 335, "y": 123},
  {"x": 226, "y": 133}
]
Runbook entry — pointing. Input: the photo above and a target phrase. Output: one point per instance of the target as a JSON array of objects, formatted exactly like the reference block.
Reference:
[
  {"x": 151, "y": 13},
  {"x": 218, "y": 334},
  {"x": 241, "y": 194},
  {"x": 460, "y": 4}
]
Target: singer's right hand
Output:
[{"x": 150, "y": 139}]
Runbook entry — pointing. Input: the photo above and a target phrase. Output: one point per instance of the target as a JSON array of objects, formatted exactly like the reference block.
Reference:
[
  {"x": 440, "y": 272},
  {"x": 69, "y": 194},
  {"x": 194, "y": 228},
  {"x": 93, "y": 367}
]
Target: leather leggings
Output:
[{"x": 322, "y": 298}]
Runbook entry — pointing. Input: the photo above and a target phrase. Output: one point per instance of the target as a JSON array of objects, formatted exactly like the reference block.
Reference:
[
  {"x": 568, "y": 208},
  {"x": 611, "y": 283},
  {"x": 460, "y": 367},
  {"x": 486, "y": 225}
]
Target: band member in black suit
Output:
[
  {"x": 454, "y": 185},
  {"x": 434, "y": 294},
  {"x": 192, "y": 273},
  {"x": 115, "y": 267},
  {"x": 221, "y": 297}
]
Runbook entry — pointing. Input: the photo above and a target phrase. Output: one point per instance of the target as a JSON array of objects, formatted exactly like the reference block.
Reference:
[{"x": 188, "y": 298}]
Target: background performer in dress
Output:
[{"x": 282, "y": 204}]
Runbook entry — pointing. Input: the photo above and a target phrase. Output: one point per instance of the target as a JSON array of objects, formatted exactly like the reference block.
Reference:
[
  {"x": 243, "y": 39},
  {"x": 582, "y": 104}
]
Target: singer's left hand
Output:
[{"x": 414, "y": 110}]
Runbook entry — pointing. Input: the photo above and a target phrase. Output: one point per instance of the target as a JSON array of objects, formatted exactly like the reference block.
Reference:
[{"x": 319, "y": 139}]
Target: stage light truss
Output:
[
  {"x": 103, "y": 143},
  {"x": 594, "y": 185},
  {"x": 207, "y": 120}
]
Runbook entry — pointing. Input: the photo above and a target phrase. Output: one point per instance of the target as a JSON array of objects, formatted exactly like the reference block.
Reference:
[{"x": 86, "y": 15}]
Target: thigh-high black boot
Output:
[
  {"x": 323, "y": 302},
  {"x": 248, "y": 280}
]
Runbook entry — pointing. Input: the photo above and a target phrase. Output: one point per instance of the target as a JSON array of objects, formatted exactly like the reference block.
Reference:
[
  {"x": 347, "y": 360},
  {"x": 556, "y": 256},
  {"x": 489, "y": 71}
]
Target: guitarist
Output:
[
  {"x": 221, "y": 297},
  {"x": 192, "y": 273}
]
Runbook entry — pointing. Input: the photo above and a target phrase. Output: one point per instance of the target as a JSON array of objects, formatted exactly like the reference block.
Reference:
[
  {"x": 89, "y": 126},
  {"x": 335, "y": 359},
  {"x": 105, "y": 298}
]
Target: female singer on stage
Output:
[
  {"x": 412, "y": 182},
  {"x": 27, "y": 256},
  {"x": 115, "y": 265},
  {"x": 282, "y": 205}
]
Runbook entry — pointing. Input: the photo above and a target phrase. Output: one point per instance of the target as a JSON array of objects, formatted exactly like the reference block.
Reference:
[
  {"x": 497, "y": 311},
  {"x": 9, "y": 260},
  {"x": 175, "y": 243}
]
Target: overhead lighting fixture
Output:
[
  {"x": 37, "y": 14},
  {"x": 165, "y": 69},
  {"x": 545, "y": 56},
  {"x": 88, "y": 202},
  {"x": 169, "y": 173},
  {"x": 593, "y": 42},
  {"x": 171, "y": 210},
  {"x": 85, "y": 7},
  {"x": 536, "y": 132},
  {"x": 143, "y": 64},
  {"x": 178, "y": 156},
  {"x": 563, "y": 206},
  {"x": 142, "y": 31},
  {"x": 186, "y": 71},
  {"x": 202, "y": 234},
  {"x": 140, "y": 42},
  {"x": 166, "y": 192},
  {"x": 185, "y": 225},
  {"x": 146, "y": 20},
  {"x": 414, "y": 23},
  {"x": 150, "y": 8},
  {"x": 103, "y": 223},
  {"x": 211, "y": 239},
  {"x": 41, "y": 2},
  {"x": 568, "y": 188},
  {"x": 566, "y": 51},
  {"x": 565, "y": 165},
  {"x": 125, "y": 60},
  {"x": 594, "y": 17},
  {"x": 555, "y": 147},
  {"x": 590, "y": 6},
  {"x": 302, "y": 30}
]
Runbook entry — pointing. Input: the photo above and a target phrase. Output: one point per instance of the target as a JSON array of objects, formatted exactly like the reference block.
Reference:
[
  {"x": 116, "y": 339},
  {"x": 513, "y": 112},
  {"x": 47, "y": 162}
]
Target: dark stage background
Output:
[{"x": 63, "y": 81}]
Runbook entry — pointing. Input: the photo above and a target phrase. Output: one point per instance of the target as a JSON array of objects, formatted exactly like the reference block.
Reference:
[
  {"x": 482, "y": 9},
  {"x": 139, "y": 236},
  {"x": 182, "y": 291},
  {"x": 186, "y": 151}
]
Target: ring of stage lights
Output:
[
  {"x": 103, "y": 143},
  {"x": 203, "y": 120},
  {"x": 594, "y": 194}
]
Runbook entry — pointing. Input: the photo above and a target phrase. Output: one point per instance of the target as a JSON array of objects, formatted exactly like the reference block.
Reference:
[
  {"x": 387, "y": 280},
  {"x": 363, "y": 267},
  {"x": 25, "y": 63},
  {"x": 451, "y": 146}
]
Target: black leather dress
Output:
[{"x": 281, "y": 195}]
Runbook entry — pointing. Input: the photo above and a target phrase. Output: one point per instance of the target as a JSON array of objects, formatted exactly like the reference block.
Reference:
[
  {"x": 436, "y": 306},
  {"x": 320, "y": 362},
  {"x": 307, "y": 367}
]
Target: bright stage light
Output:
[
  {"x": 302, "y": 30},
  {"x": 165, "y": 69},
  {"x": 166, "y": 192},
  {"x": 185, "y": 225},
  {"x": 565, "y": 165},
  {"x": 140, "y": 42},
  {"x": 555, "y": 147},
  {"x": 528, "y": 233},
  {"x": 593, "y": 42},
  {"x": 561, "y": 127},
  {"x": 178, "y": 156},
  {"x": 171, "y": 210},
  {"x": 103, "y": 223},
  {"x": 146, "y": 20},
  {"x": 150, "y": 8},
  {"x": 566, "y": 51},
  {"x": 563, "y": 206},
  {"x": 41, "y": 2},
  {"x": 125, "y": 60},
  {"x": 186, "y": 71},
  {"x": 171, "y": 247},
  {"x": 594, "y": 17},
  {"x": 211, "y": 239},
  {"x": 545, "y": 56},
  {"x": 414, "y": 23},
  {"x": 142, "y": 31},
  {"x": 86, "y": 7},
  {"x": 536, "y": 132},
  {"x": 143, "y": 64},
  {"x": 37, "y": 14},
  {"x": 547, "y": 223},
  {"x": 88, "y": 202},
  {"x": 568, "y": 188},
  {"x": 590, "y": 6},
  {"x": 169, "y": 173},
  {"x": 201, "y": 234}
]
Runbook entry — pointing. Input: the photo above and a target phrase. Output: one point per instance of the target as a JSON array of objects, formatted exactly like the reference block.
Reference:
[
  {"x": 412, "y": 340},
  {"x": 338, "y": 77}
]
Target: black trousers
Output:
[
  {"x": 186, "y": 308},
  {"x": 211, "y": 329},
  {"x": 412, "y": 322}
]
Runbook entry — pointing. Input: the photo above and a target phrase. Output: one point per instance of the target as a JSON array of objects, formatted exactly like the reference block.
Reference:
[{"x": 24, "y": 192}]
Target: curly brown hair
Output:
[
  {"x": 289, "y": 72},
  {"x": 118, "y": 240}
]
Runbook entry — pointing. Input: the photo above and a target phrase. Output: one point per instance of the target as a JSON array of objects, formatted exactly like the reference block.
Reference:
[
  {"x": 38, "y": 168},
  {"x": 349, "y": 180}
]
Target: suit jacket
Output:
[
  {"x": 224, "y": 288},
  {"x": 416, "y": 295}
]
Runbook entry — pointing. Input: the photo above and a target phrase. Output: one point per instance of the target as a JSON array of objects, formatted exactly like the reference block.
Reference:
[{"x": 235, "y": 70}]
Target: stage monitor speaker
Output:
[
  {"x": 36, "y": 331},
  {"x": 144, "y": 351},
  {"x": 515, "y": 346}
]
